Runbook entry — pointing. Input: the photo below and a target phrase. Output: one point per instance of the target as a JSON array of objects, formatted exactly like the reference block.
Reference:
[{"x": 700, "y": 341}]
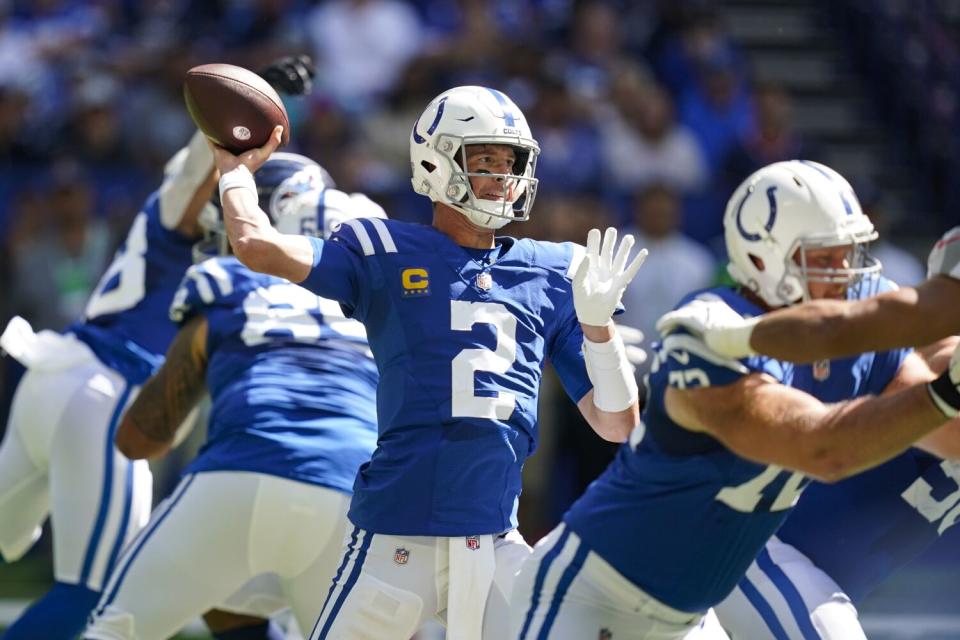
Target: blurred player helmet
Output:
[
  {"x": 781, "y": 212},
  {"x": 465, "y": 116},
  {"x": 298, "y": 196}
]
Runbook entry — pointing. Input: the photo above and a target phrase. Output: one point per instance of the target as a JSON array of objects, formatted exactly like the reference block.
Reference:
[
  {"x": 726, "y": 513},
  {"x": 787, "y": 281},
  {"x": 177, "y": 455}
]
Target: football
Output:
[{"x": 233, "y": 106}]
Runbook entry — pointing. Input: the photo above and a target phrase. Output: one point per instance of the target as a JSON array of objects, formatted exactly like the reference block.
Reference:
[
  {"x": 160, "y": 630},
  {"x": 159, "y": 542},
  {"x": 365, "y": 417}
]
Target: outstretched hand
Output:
[
  {"x": 712, "y": 320},
  {"x": 253, "y": 159},
  {"x": 292, "y": 75},
  {"x": 603, "y": 276}
]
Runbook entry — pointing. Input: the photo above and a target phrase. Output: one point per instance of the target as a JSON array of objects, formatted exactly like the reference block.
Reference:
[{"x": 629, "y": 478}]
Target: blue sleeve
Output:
[
  {"x": 567, "y": 357},
  {"x": 338, "y": 268}
]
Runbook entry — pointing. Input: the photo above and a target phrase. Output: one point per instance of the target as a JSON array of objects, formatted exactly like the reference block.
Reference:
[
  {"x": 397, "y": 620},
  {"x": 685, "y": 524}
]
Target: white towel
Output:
[
  {"x": 43, "y": 351},
  {"x": 472, "y": 565}
]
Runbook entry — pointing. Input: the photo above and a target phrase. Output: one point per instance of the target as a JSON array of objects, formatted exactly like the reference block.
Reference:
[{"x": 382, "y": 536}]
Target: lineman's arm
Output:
[
  {"x": 188, "y": 186},
  {"x": 150, "y": 424},
  {"x": 255, "y": 242},
  {"x": 768, "y": 422},
  {"x": 827, "y": 329}
]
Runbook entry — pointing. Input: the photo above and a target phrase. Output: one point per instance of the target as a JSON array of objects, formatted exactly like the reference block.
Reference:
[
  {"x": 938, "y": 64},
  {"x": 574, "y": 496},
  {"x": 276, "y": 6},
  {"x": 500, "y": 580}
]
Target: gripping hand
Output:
[
  {"x": 602, "y": 276},
  {"x": 944, "y": 259},
  {"x": 721, "y": 328},
  {"x": 945, "y": 390},
  {"x": 292, "y": 75}
]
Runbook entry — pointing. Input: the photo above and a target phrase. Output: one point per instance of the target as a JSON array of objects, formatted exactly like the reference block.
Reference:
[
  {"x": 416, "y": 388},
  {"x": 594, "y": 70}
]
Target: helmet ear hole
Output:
[
  {"x": 757, "y": 262},
  {"x": 429, "y": 166}
]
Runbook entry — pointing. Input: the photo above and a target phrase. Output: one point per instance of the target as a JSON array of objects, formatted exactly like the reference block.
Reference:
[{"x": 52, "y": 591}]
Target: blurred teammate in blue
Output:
[
  {"x": 57, "y": 456},
  {"x": 460, "y": 323},
  {"x": 293, "y": 415},
  {"x": 843, "y": 540},
  {"x": 726, "y": 446}
]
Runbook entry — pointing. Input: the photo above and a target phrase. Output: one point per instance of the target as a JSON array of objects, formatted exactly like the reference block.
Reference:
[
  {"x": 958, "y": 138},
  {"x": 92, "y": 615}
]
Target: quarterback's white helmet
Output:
[
  {"x": 465, "y": 116},
  {"x": 784, "y": 210}
]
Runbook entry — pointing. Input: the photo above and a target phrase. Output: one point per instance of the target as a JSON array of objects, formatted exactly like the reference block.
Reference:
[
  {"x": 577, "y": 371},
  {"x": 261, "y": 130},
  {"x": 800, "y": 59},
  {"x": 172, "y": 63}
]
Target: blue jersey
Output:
[
  {"x": 676, "y": 512},
  {"x": 126, "y": 323},
  {"x": 862, "y": 529},
  {"x": 291, "y": 381},
  {"x": 460, "y": 346}
]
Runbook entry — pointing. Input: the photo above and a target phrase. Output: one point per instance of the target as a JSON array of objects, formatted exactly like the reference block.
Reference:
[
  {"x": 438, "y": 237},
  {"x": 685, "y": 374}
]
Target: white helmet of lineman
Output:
[
  {"x": 784, "y": 210},
  {"x": 473, "y": 115}
]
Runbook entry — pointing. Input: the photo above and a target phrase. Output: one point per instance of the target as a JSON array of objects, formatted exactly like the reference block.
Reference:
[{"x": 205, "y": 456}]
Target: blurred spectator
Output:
[
  {"x": 676, "y": 265},
  {"x": 717, "y": 108},
  {"x": 362, "y": 46},
  {"x": 773, "y": 139},
  {"x": 899, "y": 265},
  {"x": 594, "y": 50},
  {"x": 643, "y": 144},
  {"x": 570, "y": 150},
  {"x": 55, "y": 271}
]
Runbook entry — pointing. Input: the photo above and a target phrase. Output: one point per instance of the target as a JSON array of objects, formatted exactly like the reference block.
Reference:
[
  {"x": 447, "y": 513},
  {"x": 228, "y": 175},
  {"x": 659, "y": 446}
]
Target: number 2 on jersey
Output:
[{"x": 464, "y": 402}]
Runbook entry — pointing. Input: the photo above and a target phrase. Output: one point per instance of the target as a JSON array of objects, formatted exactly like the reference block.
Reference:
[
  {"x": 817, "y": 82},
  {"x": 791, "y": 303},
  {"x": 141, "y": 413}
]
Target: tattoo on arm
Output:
[{"x": 168, "y": 397}]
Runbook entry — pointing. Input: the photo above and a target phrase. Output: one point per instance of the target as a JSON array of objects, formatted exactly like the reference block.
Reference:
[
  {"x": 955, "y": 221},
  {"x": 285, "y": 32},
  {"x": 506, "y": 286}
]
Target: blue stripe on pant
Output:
[
  {"x": 106, "y": 494},
  {"x": 127, "y": 561},
  {"x": 763, "y": 608},
  {"x": 351, "y": 581},
  {"x": 542, "y": 570},
  {"x": 561, "y": 591},
  {"x": 790, "y": 593}
]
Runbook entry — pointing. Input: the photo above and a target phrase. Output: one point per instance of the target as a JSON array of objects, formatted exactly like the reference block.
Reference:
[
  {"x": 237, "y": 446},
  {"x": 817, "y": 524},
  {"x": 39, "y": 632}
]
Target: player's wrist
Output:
[
  {"x": 945, "y": 395},
  {"x": 614, "y": 386},
  {"x": 733, "y": 341},
  {"x": 238, "y": 178}
]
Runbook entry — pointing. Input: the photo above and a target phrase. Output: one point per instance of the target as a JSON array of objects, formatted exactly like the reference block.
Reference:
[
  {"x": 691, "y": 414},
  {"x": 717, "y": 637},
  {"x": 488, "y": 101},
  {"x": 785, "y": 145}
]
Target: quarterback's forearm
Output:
[
  {"x": 257, "y": 244},
  {"x": 612, "y": 426}
]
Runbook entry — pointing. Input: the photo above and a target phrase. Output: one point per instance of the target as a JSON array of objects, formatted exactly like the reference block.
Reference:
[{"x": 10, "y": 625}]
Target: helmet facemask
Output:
[
  {"x": 860, "y": 275},
  {"x": 517, "y": 191}
]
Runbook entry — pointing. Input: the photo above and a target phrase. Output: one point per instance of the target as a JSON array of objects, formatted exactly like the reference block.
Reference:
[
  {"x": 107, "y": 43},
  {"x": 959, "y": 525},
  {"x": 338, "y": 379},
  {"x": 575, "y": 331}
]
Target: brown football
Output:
[{"x": 233, "y": 106}]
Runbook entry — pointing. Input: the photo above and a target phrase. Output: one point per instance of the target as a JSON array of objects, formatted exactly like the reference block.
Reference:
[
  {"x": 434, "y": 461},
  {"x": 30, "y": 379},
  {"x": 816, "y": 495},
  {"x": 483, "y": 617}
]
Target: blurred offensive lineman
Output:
[
  {"x": 292, "y": 385},
  {"x": 844, "y": 540},
  {"x": 58, "y": 456},
  {"x": 460, "y": 322},
  {"x": 726, "y": 446}
]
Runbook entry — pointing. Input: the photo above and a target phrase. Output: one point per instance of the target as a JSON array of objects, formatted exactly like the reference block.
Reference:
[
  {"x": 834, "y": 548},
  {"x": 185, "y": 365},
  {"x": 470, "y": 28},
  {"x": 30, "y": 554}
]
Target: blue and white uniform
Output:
[
  {"x": 460, "y": 338},
  {"x": 840, "y": 543},
  {"x": 58, "y": 455},
  {"x": 671, "y": 526},
  {"x": 292, "y": 385}
]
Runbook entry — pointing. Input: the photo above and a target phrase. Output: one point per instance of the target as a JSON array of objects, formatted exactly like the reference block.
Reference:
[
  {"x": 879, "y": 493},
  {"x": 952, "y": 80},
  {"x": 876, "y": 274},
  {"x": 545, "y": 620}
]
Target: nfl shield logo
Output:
[
  {"x": 401, "y": 556},
  {"x": 484, "y": 281},
  {"x": 821, "y": 370},
  {"x": 473, "y": 543},
  {"x": 605, "y": 634}
]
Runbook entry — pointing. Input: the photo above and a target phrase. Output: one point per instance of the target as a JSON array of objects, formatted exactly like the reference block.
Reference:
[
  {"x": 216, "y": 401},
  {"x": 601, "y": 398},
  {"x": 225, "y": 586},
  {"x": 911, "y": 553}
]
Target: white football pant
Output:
[
  {"x": 785, "y": 595},
  {"x": 58, "y": 458},
  {"x": 567, "y": 592},
  {"x": 215, "y": 532},
  {"x": 387, "y": 586}
]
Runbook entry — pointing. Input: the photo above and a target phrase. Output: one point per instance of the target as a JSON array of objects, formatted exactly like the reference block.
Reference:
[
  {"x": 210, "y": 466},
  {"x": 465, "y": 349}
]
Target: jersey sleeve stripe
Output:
[
  {"x": 388, "y": 244},
  {"x": 362, "y": 236},
  {"x": 682, "y": 342},
  {"x": 219, "y": 275},
  {"x": 579, "y": 251}
]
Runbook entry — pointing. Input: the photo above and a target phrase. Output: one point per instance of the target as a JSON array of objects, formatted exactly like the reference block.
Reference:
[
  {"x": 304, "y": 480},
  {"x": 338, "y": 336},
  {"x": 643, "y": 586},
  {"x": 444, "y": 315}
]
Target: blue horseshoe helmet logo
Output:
[{"x": 754, "y": 237}]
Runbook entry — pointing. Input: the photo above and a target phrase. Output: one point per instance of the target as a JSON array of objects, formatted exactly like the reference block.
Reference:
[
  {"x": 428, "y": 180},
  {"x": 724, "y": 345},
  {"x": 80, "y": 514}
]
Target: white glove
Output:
[
  {"x": 945, "y": 390},
  {"x": 722, "y": 329},
  {"x": 601, "y": 278},
  {"x": 944, "y": 259}
]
